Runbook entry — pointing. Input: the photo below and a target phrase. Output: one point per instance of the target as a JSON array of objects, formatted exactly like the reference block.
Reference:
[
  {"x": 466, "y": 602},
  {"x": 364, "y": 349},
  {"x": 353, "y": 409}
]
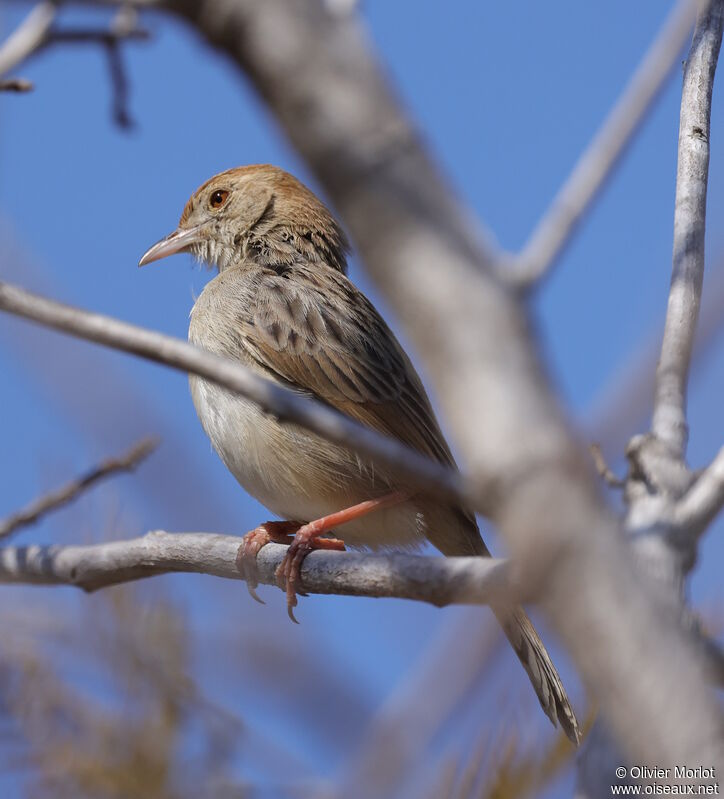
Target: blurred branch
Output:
[
  {"x": 56, "y": 499},
  {"x": 398, "y": 737},
  {"x": 439, "y": 581},
  {"x": 19, "y": 85},
  {"x": 123, "y": 28},
  {"x": 598, "y": 162},
  {"x": 28, "y": 38},
  {"x": 286, "y": 405},
  {"x": 37, "y": 32},
  {"x": 669, "y": 419},
  {"x": 603, "y": 468}
]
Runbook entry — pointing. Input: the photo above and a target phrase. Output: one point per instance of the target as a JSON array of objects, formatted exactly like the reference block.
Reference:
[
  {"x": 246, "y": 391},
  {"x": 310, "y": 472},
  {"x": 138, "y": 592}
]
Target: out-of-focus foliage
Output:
[{"x": 109, "y": 708}]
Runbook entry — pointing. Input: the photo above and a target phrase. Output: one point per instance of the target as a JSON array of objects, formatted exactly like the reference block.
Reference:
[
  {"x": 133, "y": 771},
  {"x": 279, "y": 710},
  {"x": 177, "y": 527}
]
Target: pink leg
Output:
[
  {"x": 308, "y": 537},
  {"x": 252, "y": 542}
]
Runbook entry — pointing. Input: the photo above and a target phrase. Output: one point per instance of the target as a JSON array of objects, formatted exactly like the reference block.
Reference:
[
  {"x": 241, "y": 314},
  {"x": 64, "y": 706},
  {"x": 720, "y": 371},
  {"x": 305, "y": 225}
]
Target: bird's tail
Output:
[
  {"x": 542, "y": 673},
  {"x": 463, "y": 538}
]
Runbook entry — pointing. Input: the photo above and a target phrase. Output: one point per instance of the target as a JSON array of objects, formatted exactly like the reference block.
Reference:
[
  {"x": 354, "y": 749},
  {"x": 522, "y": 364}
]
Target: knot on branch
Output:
[{"x": 656, "y": 468}]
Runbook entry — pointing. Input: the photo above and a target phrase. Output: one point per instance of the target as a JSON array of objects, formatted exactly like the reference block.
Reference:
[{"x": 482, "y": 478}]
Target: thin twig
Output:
[
  {"x": 109, "y": 38},
  {"x": 669, "y": 417},
  {"x": 437, "y": 580},
  {"x": 37, "y": 33},
  {"x": 598, "y": 162},
  {"x": 284, "y": 404},
  {"x": 56, "y": 499},
  {"x": 602, "y": 467},
  {"x": 123, "y": 29},
  {"x": 20, "y": 85}
]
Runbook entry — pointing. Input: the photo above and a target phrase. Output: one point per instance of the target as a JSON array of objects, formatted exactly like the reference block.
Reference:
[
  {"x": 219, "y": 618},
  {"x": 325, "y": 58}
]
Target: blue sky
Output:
[{"x": 507, "y": 95}]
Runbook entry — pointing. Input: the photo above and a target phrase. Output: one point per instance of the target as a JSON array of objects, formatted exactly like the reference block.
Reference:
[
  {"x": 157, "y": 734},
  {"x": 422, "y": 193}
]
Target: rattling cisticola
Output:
[{"x": 283, "y": 306}]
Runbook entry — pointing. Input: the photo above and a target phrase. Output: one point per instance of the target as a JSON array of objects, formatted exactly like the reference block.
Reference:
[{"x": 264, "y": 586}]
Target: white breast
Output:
[{"x": 273, "y": 464}]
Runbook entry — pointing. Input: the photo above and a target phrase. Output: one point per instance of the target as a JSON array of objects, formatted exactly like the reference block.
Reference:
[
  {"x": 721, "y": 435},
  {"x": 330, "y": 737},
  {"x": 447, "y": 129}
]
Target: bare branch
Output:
[
  {"x": 56, "y": 499},
  {"x": 16, "y": 85},
  {"x": 37, "y": 32},
  {"x": 439, "y": 581},
  {"x": 28, "y": 38},
  {"x": 669, "y": 418},
  {"x": 603, "y": 468},
  {"x": 598, "y": 162},
  {"x": 123, "y": 28},
  {"x": 703, "y": 501},
  {"x": 286, "y": 405}
]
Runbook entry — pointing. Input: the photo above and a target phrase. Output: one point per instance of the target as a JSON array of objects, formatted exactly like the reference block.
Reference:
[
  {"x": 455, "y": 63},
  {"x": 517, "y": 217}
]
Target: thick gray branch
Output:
[
  {"x": 439, "y": 581},
  {"x": 669, "y": 419},
  {"x": 598, "y": 162}
]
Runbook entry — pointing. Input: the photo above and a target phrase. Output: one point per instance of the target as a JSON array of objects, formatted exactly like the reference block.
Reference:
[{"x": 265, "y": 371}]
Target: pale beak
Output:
[{"x": 178, "y": 241}]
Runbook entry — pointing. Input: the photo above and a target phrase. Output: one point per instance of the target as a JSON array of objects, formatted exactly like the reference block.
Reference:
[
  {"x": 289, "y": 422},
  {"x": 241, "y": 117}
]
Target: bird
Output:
[{"x": 282, "y": 305}]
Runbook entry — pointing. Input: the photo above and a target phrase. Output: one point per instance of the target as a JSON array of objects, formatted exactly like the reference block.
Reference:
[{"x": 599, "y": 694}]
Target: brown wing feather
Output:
[{"x": 328, "y": 340}]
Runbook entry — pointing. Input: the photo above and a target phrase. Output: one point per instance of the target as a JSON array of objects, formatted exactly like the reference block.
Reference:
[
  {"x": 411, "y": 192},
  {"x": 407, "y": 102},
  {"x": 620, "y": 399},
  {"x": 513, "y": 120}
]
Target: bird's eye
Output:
[{"x": 218, "y": 198}]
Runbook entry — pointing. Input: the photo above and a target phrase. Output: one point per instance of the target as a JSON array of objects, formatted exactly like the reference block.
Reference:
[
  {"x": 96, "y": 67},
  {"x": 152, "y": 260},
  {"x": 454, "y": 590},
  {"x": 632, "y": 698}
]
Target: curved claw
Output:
[
  {"x": 246, "y": 562},
  {"x": 289, "y": 571},
  {"x": 253, "y": 594},
  {"x": 308, "y": 537},
  {"x": 250, "y": 546}
]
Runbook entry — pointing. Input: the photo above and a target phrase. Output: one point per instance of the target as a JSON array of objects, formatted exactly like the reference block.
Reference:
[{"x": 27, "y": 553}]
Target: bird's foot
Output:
[
  {"x": 252, "y": 542},
  {"x": 308, "y": 537},
  {"x": 289, "y": 572}
]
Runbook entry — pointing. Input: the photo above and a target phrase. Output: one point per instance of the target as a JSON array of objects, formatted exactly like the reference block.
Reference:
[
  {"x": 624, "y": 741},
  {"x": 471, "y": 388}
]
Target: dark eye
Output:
[{"x": 218, "y": 198}]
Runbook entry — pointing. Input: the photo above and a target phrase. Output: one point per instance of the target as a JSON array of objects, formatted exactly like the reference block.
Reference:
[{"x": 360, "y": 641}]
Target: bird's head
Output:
[{"x": 258, "y": 213}]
